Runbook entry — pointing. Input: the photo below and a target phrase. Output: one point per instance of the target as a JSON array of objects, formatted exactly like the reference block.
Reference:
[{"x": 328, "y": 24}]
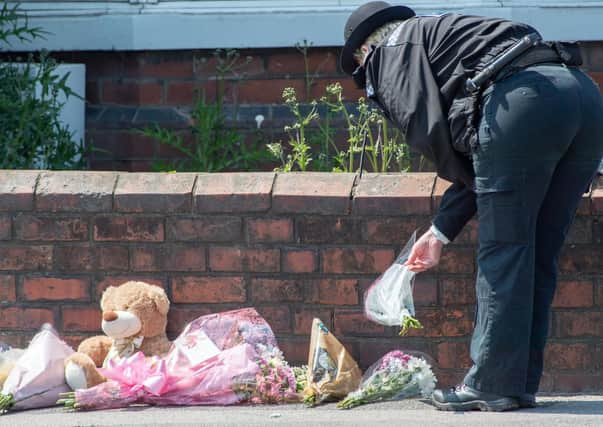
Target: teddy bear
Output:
[{"x": 134, "y": 318}]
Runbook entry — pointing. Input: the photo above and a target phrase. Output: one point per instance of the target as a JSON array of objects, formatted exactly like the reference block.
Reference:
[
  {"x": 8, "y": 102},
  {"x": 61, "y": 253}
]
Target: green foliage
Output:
[
  {"x": 215, "y": 146},
  {"x": 31, "y": 134},
  {"x": 384, "y": 146}
]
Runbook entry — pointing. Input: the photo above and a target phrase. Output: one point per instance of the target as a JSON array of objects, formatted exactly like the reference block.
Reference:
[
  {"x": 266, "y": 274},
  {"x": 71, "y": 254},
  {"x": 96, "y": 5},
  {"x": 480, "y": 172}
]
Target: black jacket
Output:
[{"x": 414, "y": 76}]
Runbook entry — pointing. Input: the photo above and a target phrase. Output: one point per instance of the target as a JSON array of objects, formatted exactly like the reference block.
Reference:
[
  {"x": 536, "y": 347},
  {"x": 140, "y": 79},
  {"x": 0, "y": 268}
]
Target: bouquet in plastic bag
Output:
[
  {"x": 395, "y": 376},
  {"x": 219, "y": 359},
  {"x": 38, "y": 376},
  {"x": 332, "y": 372},
  {"x": 389, "y": 300}
]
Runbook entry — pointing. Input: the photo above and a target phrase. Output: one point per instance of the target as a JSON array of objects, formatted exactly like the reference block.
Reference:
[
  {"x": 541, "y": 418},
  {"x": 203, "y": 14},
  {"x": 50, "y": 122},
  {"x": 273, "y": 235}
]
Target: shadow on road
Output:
[{"x": 576, "y": 407}]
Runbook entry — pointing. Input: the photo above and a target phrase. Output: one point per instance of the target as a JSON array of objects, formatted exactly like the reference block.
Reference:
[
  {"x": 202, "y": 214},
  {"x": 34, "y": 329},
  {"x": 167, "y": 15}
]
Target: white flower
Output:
[{"x": 422, "y": 375}]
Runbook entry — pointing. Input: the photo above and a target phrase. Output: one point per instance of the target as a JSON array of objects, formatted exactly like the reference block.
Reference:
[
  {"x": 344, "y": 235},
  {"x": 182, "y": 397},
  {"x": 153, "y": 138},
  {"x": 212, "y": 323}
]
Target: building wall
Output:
[
  {"x": 128, "y": 90},
  {"x": 295, "y": 246}
]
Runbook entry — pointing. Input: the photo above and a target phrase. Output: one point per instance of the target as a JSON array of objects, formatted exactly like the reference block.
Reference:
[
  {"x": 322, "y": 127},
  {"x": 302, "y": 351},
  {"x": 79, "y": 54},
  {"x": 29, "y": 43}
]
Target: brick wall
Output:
[
  {"x": 294, "y": 246},
  {"x": 127, "y": 90}
]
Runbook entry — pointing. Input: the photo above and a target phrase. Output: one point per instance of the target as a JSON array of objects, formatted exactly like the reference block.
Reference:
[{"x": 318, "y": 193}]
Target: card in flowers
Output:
[{"x": 395, "y": 376}]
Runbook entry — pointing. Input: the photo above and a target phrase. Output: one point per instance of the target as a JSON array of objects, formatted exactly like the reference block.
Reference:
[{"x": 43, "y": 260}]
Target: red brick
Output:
[
  {"x": 185, "y": 258},
  {"x": 574, "y": 294},
  {"x": 7, "y": 288},
  {"x": 234, "y": 192},
  {"x": 457, "y": 260},
  {"x": 75, "y": 258},
  {"x": 304, "y": 316},
  {"x": 449, "y": 378},
  {"x": 131, "y": 92},
  {"x": 75, "y": 191},
  {"x": 425, "y": 291},
  {"x": 442, "y": 323},
  {"x": 334, "y": 292},
  {"x": 597, "y": 199},
  {"x": 179, "y": 317},
  {"x": 579, "y": 259},
  {"x": 198, "y": 289},
  {"x": 154, "y": 192},
  {"x": 5, "y": 227},
  {"x": 568, "y": 356},
  {"x": 279, "y": 318},
  {"x": 166, "y": 64},
  {"x": 25, "y": 257},
  {"x": 92, "y": 92},
  {"x": 17, "y": 190},
  {"x": 576, "y": 324},
  {"x": 206, "y": 67},
  {"x": 105, "y": 282},
  {"x": 581, "y": 230},
  {"x": 394, "y": 194},
  {"x": 358, "y": 260},
  {"x": 112, "y": 257},
  {"x": 299, "y": 261},
  {"x": 454, "y": 354},
  {"x": 147, "y": 258},
  {"x": 270, "y": 230},
  {"x": 25, "y": 318},
  {"x": 457, "y": 291},
  {"x": 128, "y": 228},
  {"x": 183, "y": 93},
  {"x": 577, "y": 383},
  {"x": 332, "y": 230},
  {"x": 469, "y": 234},
  {"x": 30, "y": 227},
  {"x": 55, "y": 289},
  {"x": 18, "y": 339},
  {"x": 313, "y": 192},
  {"x": 267, "y": 91},
  {"x": 320, "y": 61},
  {"x": 355, "y": 323},
  {"x": 392, "y": 230},
  {"x": 205, "y": 229},
  {"x": 80, "y": 319},
  {"x": 295, "y": 350},
  {"x": 244, "y": 259},
  {"x": 599, "y": 295},
  {"x": 276, "y": 290}
]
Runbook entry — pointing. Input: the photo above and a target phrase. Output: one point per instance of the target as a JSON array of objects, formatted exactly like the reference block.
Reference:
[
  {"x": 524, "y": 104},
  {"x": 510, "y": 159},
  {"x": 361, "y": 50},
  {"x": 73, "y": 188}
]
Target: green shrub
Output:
[{"x": 31, "y": 134}]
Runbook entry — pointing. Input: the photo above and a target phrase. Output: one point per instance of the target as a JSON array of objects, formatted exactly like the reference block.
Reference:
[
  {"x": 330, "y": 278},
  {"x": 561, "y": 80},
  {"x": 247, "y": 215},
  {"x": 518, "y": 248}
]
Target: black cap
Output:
[{"x": 361, "y": 24}]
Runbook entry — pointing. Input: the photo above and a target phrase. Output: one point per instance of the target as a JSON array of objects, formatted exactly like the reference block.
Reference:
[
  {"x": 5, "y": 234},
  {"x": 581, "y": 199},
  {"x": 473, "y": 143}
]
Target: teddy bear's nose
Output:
[{"x": 109, "y": 316}]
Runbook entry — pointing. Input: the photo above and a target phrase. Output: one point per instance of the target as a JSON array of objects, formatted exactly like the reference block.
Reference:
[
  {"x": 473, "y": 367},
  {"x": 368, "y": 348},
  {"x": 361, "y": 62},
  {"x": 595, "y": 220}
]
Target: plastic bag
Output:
[
  {"x": 38, "y": 376},
  {"x": 332, "y": 372},
  {"x": 395, "y": 376},
  {"x": 389, "y": 300}
]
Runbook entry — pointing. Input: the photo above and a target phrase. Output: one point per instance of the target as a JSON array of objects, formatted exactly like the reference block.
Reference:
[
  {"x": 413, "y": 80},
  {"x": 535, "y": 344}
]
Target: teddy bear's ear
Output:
[
  {"x": 161, "y": 300},
  {"x": 107, "y": 294}
]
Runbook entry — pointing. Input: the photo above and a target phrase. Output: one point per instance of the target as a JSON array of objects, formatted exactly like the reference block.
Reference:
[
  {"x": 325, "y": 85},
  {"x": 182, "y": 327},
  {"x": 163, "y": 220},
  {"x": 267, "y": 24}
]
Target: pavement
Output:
[{"x": 575, "y": 411}]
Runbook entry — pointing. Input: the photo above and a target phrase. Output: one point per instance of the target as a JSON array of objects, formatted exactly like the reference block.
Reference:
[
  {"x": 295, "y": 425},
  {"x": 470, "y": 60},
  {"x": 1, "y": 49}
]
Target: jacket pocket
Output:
[
  {"x": 501, "y": 209},
  {"x": 461, "y": 120}
]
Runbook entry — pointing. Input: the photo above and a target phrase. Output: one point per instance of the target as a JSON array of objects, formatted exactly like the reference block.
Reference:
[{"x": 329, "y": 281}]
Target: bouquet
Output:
[
  {"x": 38, "y": 376},
  {"x": 219, "y": 359},
  {"x": 395, "y": 376},
  {"x": 389, "y": 300},
  {"x": 332, "y": 372}
]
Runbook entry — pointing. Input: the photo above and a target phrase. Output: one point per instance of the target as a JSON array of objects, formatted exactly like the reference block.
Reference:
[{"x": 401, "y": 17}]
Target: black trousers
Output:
[{"x": 540, "y": 142}]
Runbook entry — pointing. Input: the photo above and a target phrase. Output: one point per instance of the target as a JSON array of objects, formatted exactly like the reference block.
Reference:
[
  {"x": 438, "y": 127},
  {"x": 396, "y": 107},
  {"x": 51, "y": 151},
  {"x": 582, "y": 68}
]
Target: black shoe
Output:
[
  {"x": 527, "y": 400},
  {"x": 465, "y": 398}
]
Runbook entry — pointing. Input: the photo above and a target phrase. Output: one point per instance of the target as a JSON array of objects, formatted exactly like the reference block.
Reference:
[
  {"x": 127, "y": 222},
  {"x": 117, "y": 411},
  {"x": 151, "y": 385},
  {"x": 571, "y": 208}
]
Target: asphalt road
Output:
[{"x": 575, "y": 411}]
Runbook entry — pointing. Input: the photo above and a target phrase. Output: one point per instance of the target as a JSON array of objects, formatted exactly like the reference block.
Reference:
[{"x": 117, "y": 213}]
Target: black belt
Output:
[{"x": 527, "y": 51}]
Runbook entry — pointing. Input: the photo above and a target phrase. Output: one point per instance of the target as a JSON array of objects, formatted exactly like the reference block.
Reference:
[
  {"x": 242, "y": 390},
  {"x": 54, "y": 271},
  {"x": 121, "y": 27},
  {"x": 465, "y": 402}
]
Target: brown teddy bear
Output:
[{"x": 134, "y": 319}]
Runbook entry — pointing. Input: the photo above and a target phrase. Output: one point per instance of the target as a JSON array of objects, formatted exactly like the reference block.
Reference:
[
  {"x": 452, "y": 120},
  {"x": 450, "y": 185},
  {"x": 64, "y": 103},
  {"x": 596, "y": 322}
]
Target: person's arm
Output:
[{"x": 456, "y": 209}]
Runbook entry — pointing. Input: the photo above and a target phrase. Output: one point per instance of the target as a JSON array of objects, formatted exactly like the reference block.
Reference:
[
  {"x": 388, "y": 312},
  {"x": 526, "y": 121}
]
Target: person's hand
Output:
[{"x": 425, "y": 253}]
